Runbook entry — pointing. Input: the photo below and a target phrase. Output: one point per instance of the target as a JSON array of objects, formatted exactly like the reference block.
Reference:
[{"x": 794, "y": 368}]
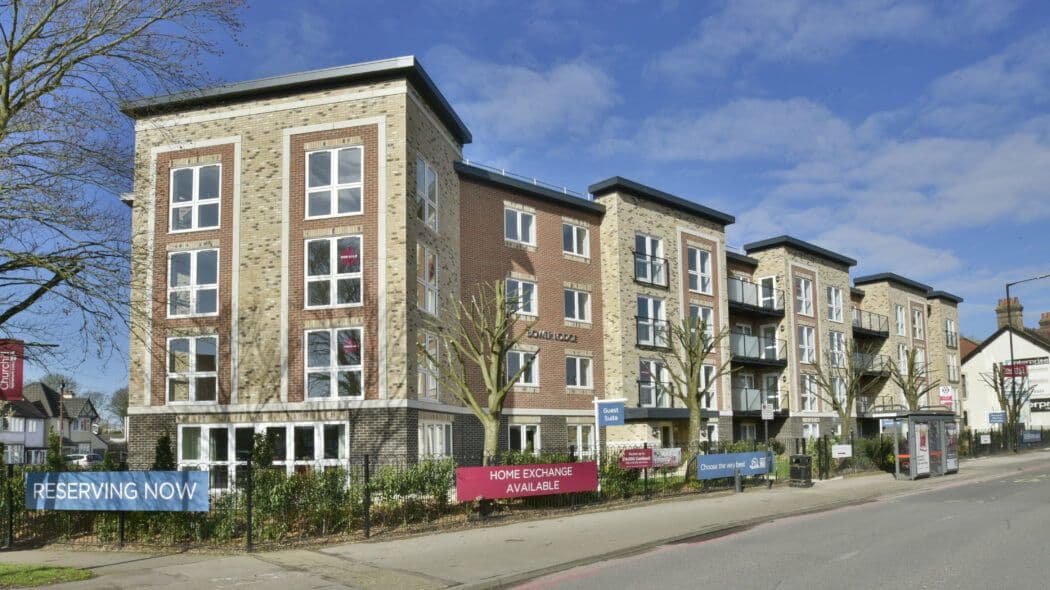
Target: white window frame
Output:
[
  {"x": 902, "y": 358},
  {"x": 191, "y": 374},
  {"x": 654, "y": 306},
  {"x": 427, "y": 210},
  {"x": 838, "y": 386},
  {"x": 14, "y": 424},
  {"x": 808, "y": 392},
  {"x": 435, "y": 439},
  {"x": 806, "y": 348},
  {"x": 581, "y": 436},
  {"x": 581, "y": 303},
  {"x": 653, "y": 253},
  {"x": 584, "y": 368},
  {"x": 707, "y": 378},
  {"x": 917, "y": 324},
  {"x": 698, "y": 263},
  {"x": 193, "y": 288},
  {"x": 430, "y": 285},
  {"x": 813, "y": 428},
  {"x": 902, "y": 329},
  {"x": 706, "y": 315},
  {"x": 953, "y": 368},
  {"x": 837, "y": 348},
  {"x": 428, "y": 385},
  {"x": 580, "y": 242},
  {"x": 835, "y": 308},
  {"x": 195, "y": 202},
  {"x": 525, "y": 356},
  {"x": 657, "y": 371},
  {"x": 36, "y": 456},
  {"x": 333, "y": 369},
  {"x": 521, "y": 436},
  {"x": 519, "y": 215},
  {"x": 519, "y": 288},
  {"x": 334, "y": 276},
  {"x": 920, "y": 361},
  {"x": 804, "y": 296},
  {"x": 334, "y": 186},
  {"x": 748, "y": 431}
]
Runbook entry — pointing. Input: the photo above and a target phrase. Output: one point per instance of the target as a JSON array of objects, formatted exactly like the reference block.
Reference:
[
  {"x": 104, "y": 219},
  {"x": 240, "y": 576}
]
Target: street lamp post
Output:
[{"x": 1010, "y": 332}]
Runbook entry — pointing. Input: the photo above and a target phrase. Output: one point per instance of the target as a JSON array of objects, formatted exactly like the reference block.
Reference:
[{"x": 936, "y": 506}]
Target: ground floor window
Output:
[
  {"x": 84, "y": 448},
  {"x": 748, "y": 431},
  {"x": 435, "y": 439},
  {"x": 581, "y": 436},
  {"x": 525, "y": 438},
  {"x": 36, "y": 456},
  {"x": 811, "y": 430},
  {"x": 223, "y": 450},
  {"x": 666, "y": 437},
  {"x": 13, "y": 454},
  {"x": 712, "y": 433}
]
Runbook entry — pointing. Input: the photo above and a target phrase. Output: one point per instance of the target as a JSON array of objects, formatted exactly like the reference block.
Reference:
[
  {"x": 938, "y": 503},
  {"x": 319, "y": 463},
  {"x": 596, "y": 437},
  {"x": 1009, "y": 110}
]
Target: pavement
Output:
[{"x": 504, "y": 555}]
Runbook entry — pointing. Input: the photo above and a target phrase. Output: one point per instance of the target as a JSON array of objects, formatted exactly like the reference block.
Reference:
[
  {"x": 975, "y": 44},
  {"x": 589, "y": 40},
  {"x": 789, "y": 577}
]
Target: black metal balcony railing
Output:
[
  {"x": 655, "y": 394},
  {"x": 651, "y": 270},
  {"x": 749, "y": 399},
  {"x": 754, "y": 295},
  {"x": 652, "y": 332},
  {"x": 871, "y": 363},
  {"x": 871, "y": 322},
  {"x": 951, "y": 339},
  {"x": 745, "y": 346}
]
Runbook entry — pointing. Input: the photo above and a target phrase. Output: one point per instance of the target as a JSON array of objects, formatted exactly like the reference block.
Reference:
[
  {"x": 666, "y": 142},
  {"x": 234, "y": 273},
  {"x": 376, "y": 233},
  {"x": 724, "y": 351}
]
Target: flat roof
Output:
[
  {"x": 944, "y": 295},
  {"x": 618, "y": 183},
  {"x": 407, "y": 67},
  {"x": 532, "y": 190},
  {"x": 792, "y": 242},
  {"x": 891, "y": 277},
  {"x": 736, "y": 257}
]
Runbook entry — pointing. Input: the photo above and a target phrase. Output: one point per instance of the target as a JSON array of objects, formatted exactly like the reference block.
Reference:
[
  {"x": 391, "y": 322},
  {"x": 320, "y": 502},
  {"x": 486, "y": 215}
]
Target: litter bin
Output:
[{"x": 801, "y": 473}]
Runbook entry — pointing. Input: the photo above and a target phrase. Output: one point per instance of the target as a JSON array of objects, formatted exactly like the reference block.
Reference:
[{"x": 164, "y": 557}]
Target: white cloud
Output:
[
  {"x": 819, "y": 31},
  {"x": 878, "y": 251},
  {"x": 517, "y": 103},
  {"x": 790, "y": 130},
  {"x": 1020, "y": 71},
  {"x": 302, "y": 41}
]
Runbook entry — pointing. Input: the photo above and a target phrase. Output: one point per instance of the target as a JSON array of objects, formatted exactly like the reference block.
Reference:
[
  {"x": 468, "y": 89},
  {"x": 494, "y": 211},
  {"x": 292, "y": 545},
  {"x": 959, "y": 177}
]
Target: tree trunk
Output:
[
  {"x": 847, "y": 424},
  {"x": 491, "y": 426},
  {"x": 692, "y": 447}
]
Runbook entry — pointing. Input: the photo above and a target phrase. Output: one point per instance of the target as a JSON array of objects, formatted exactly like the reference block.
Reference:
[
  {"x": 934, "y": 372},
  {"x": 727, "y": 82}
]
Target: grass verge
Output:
[{"x": 22, "y": 575}]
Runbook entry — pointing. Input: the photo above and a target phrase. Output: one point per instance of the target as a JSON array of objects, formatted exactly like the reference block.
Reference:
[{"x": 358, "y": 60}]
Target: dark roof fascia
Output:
[
  {"x": 531, "y": 190},
  {"x": 797, "y": 244},
  {"x": 1032, "y": 338},
  {"x": 617, "y": 183},
  {"x": 891, "y": 277},
  {"x": 856, "y": 291},
  {"x": 407, "y": 67},
  {"x": 735, "y": 257},
  {"x": 944, "y": 295}
]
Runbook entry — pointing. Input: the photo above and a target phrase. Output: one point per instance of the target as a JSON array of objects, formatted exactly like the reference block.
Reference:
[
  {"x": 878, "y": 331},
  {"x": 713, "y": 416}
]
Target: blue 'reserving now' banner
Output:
[
  {"x": 128, "y": 491},
  {"x": 715, "y": 466}
]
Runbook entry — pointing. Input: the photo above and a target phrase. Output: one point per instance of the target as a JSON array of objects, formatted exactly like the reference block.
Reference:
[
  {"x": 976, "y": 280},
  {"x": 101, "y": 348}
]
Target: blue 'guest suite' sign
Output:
[
  {"x": 610, "y": 413},
  {"x": 715, "y": 466},
  {"x": 131, "y": 491}
]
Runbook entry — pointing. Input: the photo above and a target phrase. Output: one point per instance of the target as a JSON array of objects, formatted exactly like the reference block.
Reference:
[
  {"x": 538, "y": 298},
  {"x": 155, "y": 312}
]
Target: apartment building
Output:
[{"x": 296, "y": 239}]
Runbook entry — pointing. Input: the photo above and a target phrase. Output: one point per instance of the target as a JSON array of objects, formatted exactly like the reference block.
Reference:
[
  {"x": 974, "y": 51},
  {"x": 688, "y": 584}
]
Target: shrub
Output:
[
  {"x": 618, "y": 482},
  {"x": 163, "y": 457}
]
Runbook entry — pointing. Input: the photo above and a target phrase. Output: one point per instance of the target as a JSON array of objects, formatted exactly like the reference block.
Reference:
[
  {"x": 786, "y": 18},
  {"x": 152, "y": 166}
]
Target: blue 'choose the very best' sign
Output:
[
  {"x": 715, "y": 466},
  {"x": 610, "y": 413},
  {"x": 131, "y": 491}
]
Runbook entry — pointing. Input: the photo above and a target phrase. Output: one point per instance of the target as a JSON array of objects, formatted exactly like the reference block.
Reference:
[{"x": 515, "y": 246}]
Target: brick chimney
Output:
[
  {"x": 1011, "y": 316},
  {"x": 1044, "y": 324}
]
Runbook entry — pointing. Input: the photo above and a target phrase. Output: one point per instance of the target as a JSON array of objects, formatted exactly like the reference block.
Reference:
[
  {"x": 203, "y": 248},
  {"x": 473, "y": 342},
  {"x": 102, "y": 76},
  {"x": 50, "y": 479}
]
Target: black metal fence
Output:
[{"x": 363, "y": 496}]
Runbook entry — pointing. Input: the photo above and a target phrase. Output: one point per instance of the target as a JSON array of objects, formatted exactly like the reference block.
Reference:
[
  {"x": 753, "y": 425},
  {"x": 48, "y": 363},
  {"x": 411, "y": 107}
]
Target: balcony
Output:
[
  {"x": 749, "y": 399},
  {"x": 866, "y": 323},
  {"x": 951, "y": 339},
  {"x": 754, "y": 350},
  {"x": 650, "y": 270},
  {"x": 748, "y": 297},
  {"x": 872, "y": 364},
  {"x": 651, "y": 333}
]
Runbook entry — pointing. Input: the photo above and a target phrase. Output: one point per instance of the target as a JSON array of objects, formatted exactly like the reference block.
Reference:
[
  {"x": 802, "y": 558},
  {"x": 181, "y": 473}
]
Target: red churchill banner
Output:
[{"x": 12, "y": 356}]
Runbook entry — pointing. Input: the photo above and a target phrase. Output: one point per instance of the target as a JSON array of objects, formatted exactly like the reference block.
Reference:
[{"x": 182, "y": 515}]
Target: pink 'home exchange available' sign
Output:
[
  {"x": 516, "y": 481},
  {"x": 12, "y": 353}
]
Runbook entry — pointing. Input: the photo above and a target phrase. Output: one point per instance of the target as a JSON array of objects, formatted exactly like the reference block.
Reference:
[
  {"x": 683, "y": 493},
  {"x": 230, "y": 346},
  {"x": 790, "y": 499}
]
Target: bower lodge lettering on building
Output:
[{"x": 297, "y": 236}]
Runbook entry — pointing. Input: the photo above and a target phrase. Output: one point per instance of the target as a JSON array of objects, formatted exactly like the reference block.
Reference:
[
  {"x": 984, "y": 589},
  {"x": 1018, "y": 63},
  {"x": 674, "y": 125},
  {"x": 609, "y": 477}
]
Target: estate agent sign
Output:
[
  {"x": 636, "y": 459},
  {"x": 517, "y": 481},
  {"x": 12, "y": 355},
  {"x": 130, "y": 491},
  {"x": 715, "y": 466}
]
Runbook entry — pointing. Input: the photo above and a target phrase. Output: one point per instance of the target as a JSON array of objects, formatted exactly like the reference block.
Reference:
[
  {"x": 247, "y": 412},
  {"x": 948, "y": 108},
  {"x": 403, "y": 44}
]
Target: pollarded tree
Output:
[
  {"x": 1012, "y": 393},
  {"x": 846, "y": 376},
  {"x": 913, "y": 379},
  {"x": 479, "y": 335},
  {"x": 693, "y": 368}
]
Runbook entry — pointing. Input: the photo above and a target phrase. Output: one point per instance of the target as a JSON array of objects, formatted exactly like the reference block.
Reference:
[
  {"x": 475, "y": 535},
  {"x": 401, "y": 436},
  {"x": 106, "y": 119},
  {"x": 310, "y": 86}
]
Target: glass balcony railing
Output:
[
  {"x": 872, "y": 322},
  {"x": 749, "y": 399},
  {"x": 871, "y": 363},
  {"x": 755, "y": 295},
  {"x": 652, "y": 332},
  {"x": 651, "y": 270},
  {"x": 745, "y": 346}
]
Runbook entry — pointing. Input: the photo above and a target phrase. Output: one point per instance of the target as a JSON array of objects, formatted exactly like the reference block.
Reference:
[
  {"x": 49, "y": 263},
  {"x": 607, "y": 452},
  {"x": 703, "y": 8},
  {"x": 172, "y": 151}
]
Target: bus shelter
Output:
[{"x": 925, "y": 441}]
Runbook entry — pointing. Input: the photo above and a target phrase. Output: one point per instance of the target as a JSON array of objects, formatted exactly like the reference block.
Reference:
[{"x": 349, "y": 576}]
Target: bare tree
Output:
[
  {"x": 65, "y": 150},
  {"x": 1012, "y": 393},
  {"x": 692, "y": 346},
  {"x": 479, "y": 335},
  {"x": 913, "y": 379},
  {"x": 845, "y": 377}
]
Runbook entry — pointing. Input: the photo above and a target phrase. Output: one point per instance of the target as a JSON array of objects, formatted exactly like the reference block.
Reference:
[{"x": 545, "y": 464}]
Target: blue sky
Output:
[{"x": 913, "y": 136}]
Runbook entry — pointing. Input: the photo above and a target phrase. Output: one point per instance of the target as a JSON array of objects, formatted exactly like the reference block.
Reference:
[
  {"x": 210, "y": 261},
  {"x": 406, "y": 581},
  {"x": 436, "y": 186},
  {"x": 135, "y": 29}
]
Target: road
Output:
[{"x": 975, "y": 535}]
